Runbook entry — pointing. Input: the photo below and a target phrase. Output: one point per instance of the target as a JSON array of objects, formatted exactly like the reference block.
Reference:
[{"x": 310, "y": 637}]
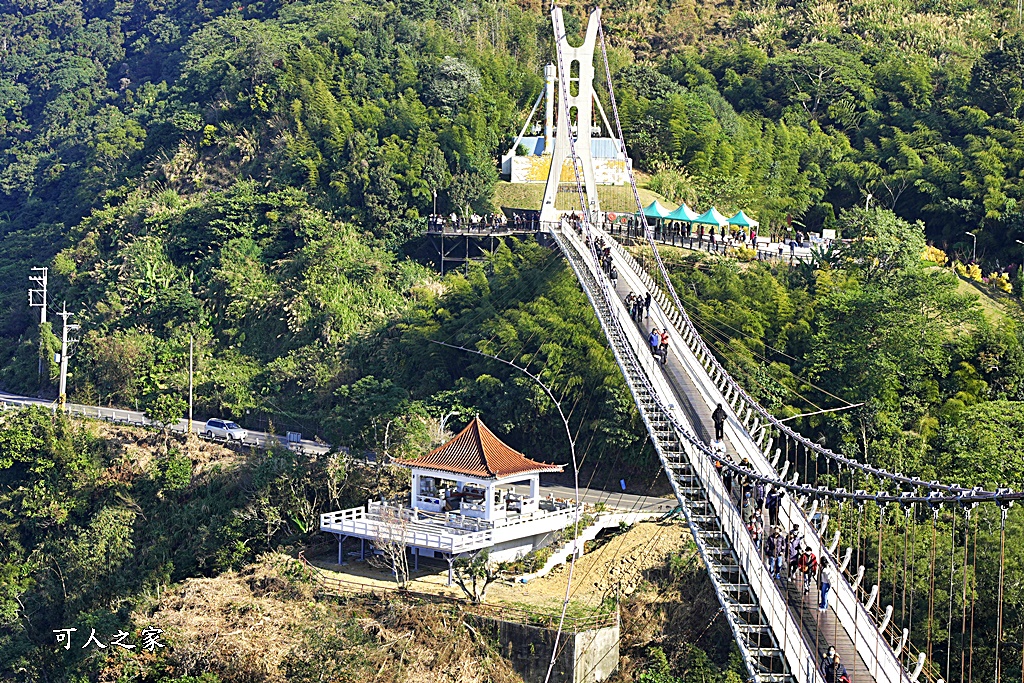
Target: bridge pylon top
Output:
[{"x": 575, "y": 74}]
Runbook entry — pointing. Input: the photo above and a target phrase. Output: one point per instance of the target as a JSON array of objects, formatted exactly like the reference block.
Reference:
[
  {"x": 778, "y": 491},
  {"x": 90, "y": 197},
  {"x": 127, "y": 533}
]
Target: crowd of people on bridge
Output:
[{"x": 788, "y": 558}]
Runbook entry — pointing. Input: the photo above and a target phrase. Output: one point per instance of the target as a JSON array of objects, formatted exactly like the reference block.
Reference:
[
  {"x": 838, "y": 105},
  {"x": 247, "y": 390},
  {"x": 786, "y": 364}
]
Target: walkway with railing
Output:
[
  {"x": 674, "y": 235},
  {"x": 780, "y": 631}
]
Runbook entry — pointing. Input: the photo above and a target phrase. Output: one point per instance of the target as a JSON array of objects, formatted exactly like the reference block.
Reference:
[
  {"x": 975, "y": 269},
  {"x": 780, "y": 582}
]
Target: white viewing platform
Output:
[{"x": 474, "y": 492}]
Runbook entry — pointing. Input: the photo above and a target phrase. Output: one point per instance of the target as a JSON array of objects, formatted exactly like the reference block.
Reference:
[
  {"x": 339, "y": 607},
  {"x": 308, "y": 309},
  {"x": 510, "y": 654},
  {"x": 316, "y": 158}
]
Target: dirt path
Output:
[{"x": 620, "y": 564}]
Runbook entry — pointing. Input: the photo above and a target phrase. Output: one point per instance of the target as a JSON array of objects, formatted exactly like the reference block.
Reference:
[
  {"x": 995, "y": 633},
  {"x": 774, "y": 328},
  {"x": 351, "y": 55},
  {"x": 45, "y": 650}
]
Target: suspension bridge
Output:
[{"x": 780, "y": 630}]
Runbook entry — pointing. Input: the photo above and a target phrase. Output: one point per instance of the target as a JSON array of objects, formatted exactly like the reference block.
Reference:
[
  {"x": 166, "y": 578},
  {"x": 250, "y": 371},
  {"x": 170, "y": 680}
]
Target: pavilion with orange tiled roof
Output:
[
  {"x": 467, "y": 495},
  {"x": 474, "y": 464}
]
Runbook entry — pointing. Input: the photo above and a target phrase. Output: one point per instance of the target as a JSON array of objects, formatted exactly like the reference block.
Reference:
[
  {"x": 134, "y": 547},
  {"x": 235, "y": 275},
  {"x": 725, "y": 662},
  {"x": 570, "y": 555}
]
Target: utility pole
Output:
[
  {"x": 190, "y": 342},
  {"x": 37, "y": 299},
  {"x": 65, "y": 314}
]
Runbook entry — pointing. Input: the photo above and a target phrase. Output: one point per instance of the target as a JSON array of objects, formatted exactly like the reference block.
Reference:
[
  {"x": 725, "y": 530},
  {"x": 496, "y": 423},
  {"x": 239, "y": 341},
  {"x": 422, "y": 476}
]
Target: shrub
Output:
[
  {"x": 745, "y": 253},
  {"x": 1000, "y": 281},
  {"x": 935, "y": 255},
  {"x": 971, "y": 271}
]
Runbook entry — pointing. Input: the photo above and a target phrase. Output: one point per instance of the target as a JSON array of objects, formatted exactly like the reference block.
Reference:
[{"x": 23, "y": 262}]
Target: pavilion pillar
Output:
[
  {"x": 534, "y": 486},
  {"x": 489, "y": 502}
]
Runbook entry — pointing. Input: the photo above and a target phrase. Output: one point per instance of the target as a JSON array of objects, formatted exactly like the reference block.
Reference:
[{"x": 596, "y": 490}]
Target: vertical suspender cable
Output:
[
  {"x": 949, "y": 622},
  {"x": 878, "y": 568},
  {"x": 806, "y": 465},
  {"x": 974, "y": 593},
  {"x": 860, "y": 560},
  {"x": 906, "y": 547},
  {"x": 895, "y": 554},
  {"x": 913, "y": 570},
  {"x": 1002, "y": 561},
  {"x": 963, "y": 603},
  {"x": 931, "y": 579}
]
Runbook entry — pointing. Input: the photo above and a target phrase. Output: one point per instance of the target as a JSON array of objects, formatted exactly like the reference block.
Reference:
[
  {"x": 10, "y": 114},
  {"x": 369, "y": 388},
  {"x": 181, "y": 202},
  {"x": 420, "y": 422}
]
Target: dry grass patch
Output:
[{"x": 262, "y": 624}]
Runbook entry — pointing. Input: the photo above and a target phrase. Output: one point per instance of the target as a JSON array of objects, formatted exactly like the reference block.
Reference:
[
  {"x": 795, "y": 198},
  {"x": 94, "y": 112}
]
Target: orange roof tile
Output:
[{"x": 476, "y": 451}]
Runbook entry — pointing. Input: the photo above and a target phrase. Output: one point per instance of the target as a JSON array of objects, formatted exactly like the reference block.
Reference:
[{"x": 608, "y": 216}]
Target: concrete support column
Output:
[
  {"x": 341, "y": 548},
  {"x": 549, "y": 106}
]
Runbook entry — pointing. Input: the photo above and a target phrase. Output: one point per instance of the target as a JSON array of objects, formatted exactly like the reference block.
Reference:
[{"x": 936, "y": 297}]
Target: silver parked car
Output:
[{"x": 224, "y": 429}]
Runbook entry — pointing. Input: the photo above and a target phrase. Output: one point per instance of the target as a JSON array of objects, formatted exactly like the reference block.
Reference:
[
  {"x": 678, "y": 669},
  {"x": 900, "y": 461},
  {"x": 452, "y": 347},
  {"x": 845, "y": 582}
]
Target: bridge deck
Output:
[{"x": 820, "y": 629}]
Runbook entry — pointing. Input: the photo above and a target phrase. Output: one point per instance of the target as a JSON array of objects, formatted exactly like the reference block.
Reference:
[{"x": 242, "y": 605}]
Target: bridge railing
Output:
[
  {"x": 653, "y": 388},
  {"x": 873, "y": 647},
  {"x": 676, "y": 237}
]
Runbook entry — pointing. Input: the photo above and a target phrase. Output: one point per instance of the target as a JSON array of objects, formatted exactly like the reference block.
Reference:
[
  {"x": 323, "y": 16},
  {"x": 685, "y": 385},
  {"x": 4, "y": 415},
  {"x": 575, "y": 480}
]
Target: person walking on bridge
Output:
[
  {"x": 776, "y": 547},
  {"x": 748, "y": 510},
  {"x": 825, "y": 579},
  {"x": 833, "y": 670},
  {"x": 771, "y": 502},
  {"x": 654, "y": 339},
  {"x": 808, "y": 564},
  {"x": 719, "y": 418},
  {"x": 613, "y": 275},
  {"x": 795, "y": 545},
  {"x": 647, "y": 305}
]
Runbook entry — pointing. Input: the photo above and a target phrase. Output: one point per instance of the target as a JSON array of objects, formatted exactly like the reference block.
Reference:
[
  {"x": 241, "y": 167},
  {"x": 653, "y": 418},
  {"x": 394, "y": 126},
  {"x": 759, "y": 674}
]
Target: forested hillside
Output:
[
  {"x": 255, "y": 176},
  {"x": 252, "y": 175}
]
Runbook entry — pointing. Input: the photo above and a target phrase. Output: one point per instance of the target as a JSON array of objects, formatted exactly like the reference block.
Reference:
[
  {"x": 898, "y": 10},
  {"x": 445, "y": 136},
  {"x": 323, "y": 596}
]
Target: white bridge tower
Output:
[{"x": 577, "y": 87}]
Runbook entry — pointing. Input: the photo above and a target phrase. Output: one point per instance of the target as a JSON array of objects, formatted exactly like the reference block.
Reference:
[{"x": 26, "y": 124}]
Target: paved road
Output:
[{"x": 137, "y": 418}]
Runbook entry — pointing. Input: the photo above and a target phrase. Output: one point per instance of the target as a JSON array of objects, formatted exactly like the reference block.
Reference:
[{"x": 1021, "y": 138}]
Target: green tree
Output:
[
  {"x": 997, "y": 79},
  {"x": 166, "y": 410}
]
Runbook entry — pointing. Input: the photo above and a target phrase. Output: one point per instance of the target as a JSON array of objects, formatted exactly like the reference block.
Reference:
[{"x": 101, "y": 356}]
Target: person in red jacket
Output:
[{"x": 808, "y": 565}]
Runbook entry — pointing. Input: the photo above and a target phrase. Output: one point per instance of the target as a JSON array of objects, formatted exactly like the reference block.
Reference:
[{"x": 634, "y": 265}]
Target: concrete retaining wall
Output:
[{"x": 584, "y": 657}]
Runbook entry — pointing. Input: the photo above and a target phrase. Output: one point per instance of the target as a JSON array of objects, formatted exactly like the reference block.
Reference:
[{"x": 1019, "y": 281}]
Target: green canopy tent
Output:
[
  {"x": 711, "y": 217},
  {"x": 743, "y": 220},
  {"x": 683, "y": 213},
  {"x": 656, "y": 210}
]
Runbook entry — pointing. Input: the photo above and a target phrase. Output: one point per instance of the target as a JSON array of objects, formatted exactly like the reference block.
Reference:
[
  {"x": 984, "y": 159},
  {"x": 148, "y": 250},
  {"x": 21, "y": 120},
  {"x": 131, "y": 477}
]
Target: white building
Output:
[{"x": 474, "y": 492}]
